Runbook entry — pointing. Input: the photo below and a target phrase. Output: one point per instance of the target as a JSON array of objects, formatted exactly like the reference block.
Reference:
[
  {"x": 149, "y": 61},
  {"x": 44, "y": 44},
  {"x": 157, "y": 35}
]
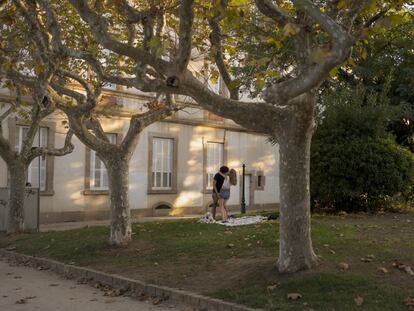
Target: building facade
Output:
[{"x": 170, "y": 172}]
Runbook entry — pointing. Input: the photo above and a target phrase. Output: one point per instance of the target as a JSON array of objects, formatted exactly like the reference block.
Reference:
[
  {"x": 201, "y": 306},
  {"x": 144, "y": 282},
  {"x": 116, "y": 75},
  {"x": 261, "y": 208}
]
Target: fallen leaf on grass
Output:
[
  {"x": 409, "y": 302},
  {"x": 365, "y": 259},
  {"x": 230, "y": 245},
  {"x": 382, "y": 269},
  {"x": 408, "y": 270},
  {"x": 271, "y": 288},
  {"x": 359, "y": 300},
  {"x": 11, "y": 248},
  {"x": 343, "y": 266},
  {"x": 158, "y": 300},
  {"x": 294, "y": 296},
  {"x": 113, "y": 292},
  {"x": 332, "y": 251},
  {"x": 40, "y": 268},
  {"x": 400, "y": 266},
  {"x": 30, "y": 297}
]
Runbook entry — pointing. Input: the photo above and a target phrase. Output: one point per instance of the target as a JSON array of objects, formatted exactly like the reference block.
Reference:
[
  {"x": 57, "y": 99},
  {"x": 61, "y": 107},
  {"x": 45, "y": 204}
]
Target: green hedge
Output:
[{"x": 355, "y": 164}]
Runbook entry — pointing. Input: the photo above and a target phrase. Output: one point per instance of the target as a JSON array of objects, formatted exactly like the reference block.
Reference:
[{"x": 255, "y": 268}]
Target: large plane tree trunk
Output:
[
  {"x": 295, "y": 250},
  {"x": 17, "y": 173},
  {"x": 118, "y": 180}
]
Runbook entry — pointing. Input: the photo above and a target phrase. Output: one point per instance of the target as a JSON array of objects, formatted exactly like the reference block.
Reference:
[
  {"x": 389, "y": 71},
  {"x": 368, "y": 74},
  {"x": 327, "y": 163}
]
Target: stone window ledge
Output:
[
  {"x": 95, "y": 192},
  {"x": 47, "y": 193}
]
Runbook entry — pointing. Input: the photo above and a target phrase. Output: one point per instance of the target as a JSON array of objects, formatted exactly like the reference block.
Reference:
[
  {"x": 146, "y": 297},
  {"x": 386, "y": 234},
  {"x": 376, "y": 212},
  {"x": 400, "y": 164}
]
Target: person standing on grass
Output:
[{"x": 221, "y": 191}]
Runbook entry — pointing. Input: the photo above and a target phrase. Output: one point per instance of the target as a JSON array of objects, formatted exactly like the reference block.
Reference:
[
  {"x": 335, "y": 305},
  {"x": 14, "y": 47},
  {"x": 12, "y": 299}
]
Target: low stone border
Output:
[{"x": 135, "y": 287}]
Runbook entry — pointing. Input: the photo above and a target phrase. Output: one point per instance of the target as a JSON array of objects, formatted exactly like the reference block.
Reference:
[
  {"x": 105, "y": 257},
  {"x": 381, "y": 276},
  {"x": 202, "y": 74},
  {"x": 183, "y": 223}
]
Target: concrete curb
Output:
[{"x": 135, "y": 287}]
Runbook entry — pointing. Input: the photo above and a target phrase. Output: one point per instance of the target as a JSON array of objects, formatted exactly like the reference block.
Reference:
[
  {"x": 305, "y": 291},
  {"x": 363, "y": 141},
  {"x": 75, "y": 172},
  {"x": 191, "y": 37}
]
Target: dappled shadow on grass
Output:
[{"x": 238, "y": 263}]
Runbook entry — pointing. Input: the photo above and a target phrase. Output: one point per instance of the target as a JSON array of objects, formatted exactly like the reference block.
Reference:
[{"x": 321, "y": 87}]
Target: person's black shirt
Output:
[{"x": 219, "y": 181}]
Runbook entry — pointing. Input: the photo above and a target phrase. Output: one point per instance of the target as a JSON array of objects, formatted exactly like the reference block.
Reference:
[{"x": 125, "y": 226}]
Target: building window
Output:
[
  {"x": 214, "y": 160},
  {"x": 99, "y": 174},
  {"x": 260, "y": 180},
  {"x": 34, "y": 170},
  {"x": 162, "y": 163}
]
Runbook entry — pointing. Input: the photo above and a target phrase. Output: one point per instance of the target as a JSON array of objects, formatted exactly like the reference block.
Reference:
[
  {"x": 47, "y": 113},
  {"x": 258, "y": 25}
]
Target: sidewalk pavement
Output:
[
  {"x": 62, "y": 226},
  {"x": 26, "y": 289}
]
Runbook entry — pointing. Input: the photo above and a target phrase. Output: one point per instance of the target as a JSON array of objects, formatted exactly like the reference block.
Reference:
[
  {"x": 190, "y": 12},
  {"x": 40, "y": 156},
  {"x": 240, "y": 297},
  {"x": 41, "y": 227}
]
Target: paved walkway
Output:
[
  {"x": 62, "y": 226},
  {"x": 27, "y": 289}
]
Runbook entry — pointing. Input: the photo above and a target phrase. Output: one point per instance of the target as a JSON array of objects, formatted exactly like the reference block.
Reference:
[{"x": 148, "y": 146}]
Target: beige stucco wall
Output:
[
  {"x": 242, "y": 147},
  {"x": 3, "y": 167}
]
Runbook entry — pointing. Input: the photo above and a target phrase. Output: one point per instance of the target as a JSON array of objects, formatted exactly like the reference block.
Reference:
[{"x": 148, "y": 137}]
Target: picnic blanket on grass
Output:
[{"x": 232, "y": 222}]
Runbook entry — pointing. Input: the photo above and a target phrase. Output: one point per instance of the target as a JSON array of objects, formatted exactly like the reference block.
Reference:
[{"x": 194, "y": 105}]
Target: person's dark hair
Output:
[{"x": 224, "y": 169}]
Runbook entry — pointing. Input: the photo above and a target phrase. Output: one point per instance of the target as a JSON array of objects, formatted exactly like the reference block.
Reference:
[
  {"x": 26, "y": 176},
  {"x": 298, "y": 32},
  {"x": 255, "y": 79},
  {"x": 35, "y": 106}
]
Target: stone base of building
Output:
[{"x": 57, "y": 217}]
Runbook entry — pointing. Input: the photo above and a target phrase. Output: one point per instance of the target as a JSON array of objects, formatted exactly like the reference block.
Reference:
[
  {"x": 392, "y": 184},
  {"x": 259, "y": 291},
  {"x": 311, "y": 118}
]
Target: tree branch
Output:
[
  {"x": 99, "y": 28},
  {"x": 140, "y": 121},
  {"x": 243, "y": 113},
  {"x": 269, "y": 9},
  {"x": 326, "y": 23},
  {"x": 5, "y": 148},
  {"x": 215, "y": 39},
  {"x": 94, "y": 125},
  {"x": 27, "y": 142},
  {"x": 185, "y": 35},
  {"x": 41, "y": 39},
  {"x": 43, "y": 151},
  {"x": 314, "y": 74}
]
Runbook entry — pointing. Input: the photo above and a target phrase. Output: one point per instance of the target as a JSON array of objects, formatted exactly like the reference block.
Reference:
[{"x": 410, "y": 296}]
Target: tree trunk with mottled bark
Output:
[
  {"x": 17, "y": 173},
  {"x": 295, "y": 250},
  {"x": 118, "y": 180}
]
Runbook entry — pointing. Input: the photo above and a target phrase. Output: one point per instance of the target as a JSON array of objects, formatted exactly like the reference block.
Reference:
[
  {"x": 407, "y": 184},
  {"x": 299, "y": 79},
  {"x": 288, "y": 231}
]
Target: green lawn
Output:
[{"x": 238, "y": 264}]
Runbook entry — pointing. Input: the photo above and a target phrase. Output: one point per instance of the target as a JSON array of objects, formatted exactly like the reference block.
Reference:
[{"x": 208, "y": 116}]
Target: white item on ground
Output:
[
  {"x": 242, "y": 221},
  {"x": 232, "y": 222},
  {"x": 206, "y": 219}
]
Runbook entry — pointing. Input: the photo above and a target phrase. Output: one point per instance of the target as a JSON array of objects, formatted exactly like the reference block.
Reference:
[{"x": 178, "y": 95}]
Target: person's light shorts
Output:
[{"x": 225, "y": 194}]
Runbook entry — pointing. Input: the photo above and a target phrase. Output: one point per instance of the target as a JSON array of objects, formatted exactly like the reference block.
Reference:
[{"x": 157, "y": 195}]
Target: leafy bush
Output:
[{"x": 355, "y": 164}]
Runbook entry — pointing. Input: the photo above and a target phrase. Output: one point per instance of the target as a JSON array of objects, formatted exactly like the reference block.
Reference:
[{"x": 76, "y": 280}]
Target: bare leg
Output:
[
  {"x": 214, "y": 208},
  {"x": 223, "y": 209}
]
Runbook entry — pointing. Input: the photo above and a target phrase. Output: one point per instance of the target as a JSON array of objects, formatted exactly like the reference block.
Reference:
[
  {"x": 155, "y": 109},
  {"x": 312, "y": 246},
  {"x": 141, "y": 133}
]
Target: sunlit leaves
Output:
[
  {"x": 290, "y": 29},
  {"x": 273, "y": 41}
]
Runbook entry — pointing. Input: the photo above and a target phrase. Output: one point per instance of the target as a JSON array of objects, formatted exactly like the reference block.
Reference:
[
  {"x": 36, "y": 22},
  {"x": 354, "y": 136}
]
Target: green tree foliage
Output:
[
  {"x": 355, "y": 163},
  {"x": 388, "y": 52}
]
